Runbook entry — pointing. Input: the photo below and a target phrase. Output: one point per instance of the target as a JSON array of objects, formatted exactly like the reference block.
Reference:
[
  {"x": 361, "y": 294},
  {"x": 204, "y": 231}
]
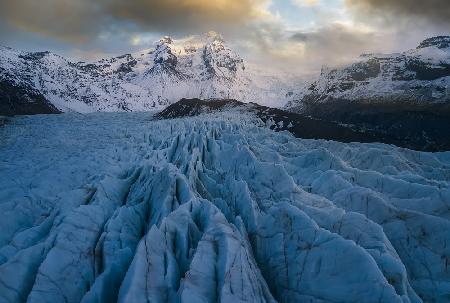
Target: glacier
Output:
[{"x": 122, "y": 207}]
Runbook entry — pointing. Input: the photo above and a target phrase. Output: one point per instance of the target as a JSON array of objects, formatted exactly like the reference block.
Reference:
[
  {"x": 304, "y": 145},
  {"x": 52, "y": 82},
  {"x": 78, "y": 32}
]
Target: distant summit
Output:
[
  {"x": 418, "y": 77},
  {"x": 439, "y": 42}
]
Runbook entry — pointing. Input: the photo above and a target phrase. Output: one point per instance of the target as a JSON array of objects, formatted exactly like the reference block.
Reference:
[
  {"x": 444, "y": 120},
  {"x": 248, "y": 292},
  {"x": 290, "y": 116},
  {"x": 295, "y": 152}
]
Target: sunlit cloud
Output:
[
  {"x": 296, "y": 34},
  {"x": 302, "y": 3}
]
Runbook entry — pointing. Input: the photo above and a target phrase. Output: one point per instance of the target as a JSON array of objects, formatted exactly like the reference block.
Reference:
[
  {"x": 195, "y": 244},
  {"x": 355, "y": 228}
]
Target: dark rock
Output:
[
  {"x": 20, "y": 100},
  {"x": 426, "y": 71},
  {"x": 439, "y": 41},
  {"x": 413, "y": 125},
  {"x": 363, "y": 71}
]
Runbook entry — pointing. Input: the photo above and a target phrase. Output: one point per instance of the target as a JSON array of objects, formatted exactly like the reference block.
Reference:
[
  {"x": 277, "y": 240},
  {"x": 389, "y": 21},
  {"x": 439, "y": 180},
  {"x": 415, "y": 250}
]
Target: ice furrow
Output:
[{"x": 219, "y": 209}]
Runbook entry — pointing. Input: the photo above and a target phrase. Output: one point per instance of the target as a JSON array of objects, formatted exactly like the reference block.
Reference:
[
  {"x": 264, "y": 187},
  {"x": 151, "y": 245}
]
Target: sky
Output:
[{"x": 296, "y": 35}]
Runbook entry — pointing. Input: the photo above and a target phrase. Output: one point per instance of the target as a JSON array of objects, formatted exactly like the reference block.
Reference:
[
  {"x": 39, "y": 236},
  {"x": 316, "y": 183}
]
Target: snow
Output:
[
  {"x": 108, "y": 207},
  {"x": 397, "y": 79},
  {"x": 201, "y": 66}
]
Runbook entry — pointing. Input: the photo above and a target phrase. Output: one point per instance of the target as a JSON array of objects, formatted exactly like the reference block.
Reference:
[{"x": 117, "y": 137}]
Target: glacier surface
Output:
[{"x": 110, "y": 207}]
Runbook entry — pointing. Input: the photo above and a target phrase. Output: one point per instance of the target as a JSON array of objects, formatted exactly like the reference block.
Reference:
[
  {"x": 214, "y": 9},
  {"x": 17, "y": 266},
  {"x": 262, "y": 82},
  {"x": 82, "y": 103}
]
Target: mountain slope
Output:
[
  {"x": 114, "y": 207},
  {"x": 408, "y": 135},
  {"x": 198, "y": 66},
  {"x": 418, "y": 78},
  {"x": 22, "y": 100},
  {"x": 299, "y": 125},
  {"x": 403, "y": 95}
]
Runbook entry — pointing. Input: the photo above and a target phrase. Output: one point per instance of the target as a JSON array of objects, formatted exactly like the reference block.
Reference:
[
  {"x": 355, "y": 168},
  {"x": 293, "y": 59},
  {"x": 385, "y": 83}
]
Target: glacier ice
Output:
[{"x": 120, "y": 207}]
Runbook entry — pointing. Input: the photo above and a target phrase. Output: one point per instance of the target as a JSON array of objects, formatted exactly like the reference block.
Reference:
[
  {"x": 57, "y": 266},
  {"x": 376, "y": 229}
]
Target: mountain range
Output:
[
  {"x": 403, "y": 97},
  {"x": 419, "y": 77},
  {"x": 206, "y": 67},
  {"x": 198, "y": 66}
]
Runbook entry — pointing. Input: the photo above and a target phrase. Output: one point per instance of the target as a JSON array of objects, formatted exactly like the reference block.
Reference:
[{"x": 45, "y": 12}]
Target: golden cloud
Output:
[{"x": 80, "y": 20}]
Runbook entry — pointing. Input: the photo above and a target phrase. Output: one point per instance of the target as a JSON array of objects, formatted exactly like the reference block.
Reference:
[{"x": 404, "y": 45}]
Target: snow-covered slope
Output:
[
  {"x": 113, "y": 207},
  {"x": 418, "y": 77},
  {"x": 403, "y": 95},
  {"x": 199, "y": 66}
]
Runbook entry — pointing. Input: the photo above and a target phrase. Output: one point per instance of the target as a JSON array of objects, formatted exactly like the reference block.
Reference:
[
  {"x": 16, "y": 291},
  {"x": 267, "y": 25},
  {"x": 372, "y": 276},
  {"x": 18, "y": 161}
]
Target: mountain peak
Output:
[
  {"x": 438, "y": 41},
  {"x": 214, "y": 36},
  {"x": 166, "y": 40}
]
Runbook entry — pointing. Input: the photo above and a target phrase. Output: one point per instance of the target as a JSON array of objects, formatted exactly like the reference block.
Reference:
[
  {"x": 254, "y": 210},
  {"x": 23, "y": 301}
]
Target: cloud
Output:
[
  {"x": 79, "y": 21},
  {"x": 304, "y": 52},
  {"x": 182, "y": 16},
  {"x": 334, "y": 44},
  {"x": 68, "y": 20},
  {"x": 337, "y": 32},
  {"x": 433, "y": 11},
  {"x": 303, "y": 3}
]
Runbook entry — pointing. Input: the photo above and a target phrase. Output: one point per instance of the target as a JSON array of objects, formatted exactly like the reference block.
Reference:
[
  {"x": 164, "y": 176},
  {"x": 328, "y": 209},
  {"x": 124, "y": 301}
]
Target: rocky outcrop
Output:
[{"x": 22, "y": 100}]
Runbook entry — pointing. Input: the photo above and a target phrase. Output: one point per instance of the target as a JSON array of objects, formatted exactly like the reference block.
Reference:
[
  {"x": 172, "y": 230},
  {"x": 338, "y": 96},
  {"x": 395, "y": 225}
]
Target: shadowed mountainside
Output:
[
  {"x": 414, "y": 130},
  {"x": 21, "y": 100}
]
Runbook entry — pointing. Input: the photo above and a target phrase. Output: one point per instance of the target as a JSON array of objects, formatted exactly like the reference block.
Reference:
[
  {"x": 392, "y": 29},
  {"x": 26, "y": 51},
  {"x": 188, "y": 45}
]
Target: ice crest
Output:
[{"x": 122, "y": 207}]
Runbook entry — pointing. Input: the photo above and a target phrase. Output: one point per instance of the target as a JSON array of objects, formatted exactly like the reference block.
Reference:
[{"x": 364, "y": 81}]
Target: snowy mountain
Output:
[
  {"x": 195, "y": 67},
  {"x": 117, "y": 207},
  {"x": 403, "y": 95},
  {"x": 417, "y": 78}
]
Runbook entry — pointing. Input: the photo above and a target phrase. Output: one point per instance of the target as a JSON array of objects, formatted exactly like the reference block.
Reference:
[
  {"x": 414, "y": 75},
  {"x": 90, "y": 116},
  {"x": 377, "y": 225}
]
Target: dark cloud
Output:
[
  {"x": 75, "y": 21},
  {"x": 86, "y": 28},
  {"x": 335, "y": 44},
  {"x": 303, "y": 37},
  {"x": 433, "y": 11},
  {"x": 82, "y": 20},
  {"x": 185, "y": 15}
]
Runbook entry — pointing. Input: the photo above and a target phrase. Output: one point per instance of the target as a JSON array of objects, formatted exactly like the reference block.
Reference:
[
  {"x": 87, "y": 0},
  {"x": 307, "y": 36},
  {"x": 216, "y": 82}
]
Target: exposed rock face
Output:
[
  {"x": 23, "y": 100},
  {"x": 163, "y": 55},
  {"x": 215, "y": 208},
  {"x": 439, "y": 42},
  {"x": 195, "y": 67}
]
